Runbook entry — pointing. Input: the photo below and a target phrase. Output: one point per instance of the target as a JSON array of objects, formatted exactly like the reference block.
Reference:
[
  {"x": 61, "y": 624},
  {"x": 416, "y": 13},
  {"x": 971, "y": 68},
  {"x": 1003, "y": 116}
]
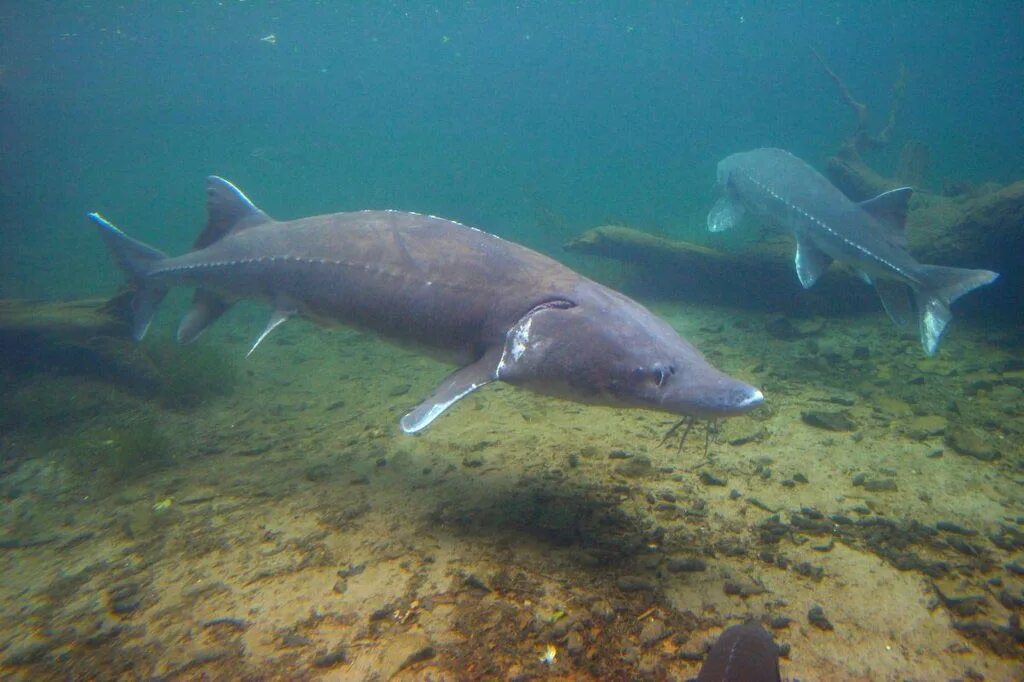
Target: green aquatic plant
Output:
[{"x": 190, "y": 374}]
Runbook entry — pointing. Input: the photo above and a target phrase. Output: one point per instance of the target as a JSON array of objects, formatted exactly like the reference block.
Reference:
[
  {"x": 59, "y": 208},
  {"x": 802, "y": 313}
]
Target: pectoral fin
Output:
[
  {"x": 810, "y": 261},
  {"x": 459, "y": 384},
  {"x": 725, "y": 214}
]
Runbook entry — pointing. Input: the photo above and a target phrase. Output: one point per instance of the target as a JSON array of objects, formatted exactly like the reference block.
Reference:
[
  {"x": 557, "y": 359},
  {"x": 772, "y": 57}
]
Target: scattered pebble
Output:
[
  {"x": 329, "y": 659},
  {"x": 830, "y": 421},
  {"x": 686, "y": 565},
  {"x": 653, "y": 632},
  {"x": 635, "y": 583},
  {"x": 969, "y": 443},
  {"x": 880, "y": 485},
  {"x": 816, "y": 617},
  {"x": 707, "y": 478}
]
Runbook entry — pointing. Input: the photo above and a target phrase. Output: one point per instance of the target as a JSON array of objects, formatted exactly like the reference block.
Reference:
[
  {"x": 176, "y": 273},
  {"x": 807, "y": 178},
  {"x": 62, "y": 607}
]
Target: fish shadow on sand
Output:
[{"x": 554, "y": 514}]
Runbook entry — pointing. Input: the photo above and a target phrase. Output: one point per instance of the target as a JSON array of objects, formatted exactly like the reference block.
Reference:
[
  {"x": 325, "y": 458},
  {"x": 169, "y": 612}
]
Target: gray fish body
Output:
[
  {"x": 500, "y": 310},
  {"x": 743, "y": 653},
  {"x": 779, "y": 188}
]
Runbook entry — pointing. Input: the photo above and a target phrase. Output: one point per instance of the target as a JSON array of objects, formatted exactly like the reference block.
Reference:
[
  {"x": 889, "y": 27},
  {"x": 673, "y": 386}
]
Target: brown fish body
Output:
[{"x": 501, "y": 310}]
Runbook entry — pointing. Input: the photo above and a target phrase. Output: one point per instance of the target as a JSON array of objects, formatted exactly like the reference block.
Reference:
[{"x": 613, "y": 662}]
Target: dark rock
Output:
[
  {"x": 620, "y": 454},
  {"x": 967, "y": 442},
  {"x": 816, "y": 617},
  {"x": 475, "y": 583},
  {"x": 779, "y": 622},
  {"x": 1007, "y": 538},
  {"x": 1003, "y": 641},
  {"x": 653, "y": 632},
  {"x": 959, "y": 600},
  {"x": 239, "y": 624},
  {"x": 743, "y": 588},
  {"x": 635, "y": 583},
  {"x": 859, "y": 479},
  {"x": 809, "y": 570},
  {"x": 800, "y": 478},
  {"x": 124, "y": 599},
  {"x": 637, "y": 467},
  {"x": 401, "y": 389},
  {"x": 293, "y": 640},
  {"x": 950, "y": 527},
  {"x": 422, "y": 654},
  {"x": 830, "y": 421},
  {"x": 351, "y": 570},
  {"x": 329, "y": 659},
  {"x": 28, "y": 654},
  {"x": 319, "y": 472},
  {"x": 686, "y": 565},
  {"x": 472, "y": 461},
  {"x": 922, "y": 428},
  {"x": 574, "y": 643},
  {"x": 603, "y": 610},
  {"x": 880, "y": 485},
  {"x": 708, "y": 478}
]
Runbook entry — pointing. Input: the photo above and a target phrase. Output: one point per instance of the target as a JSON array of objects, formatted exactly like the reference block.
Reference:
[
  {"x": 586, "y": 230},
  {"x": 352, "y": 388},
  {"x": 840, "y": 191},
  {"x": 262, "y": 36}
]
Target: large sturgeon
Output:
[
  {"x": 502, "y": 311},
  {"x": 870, "y": 237}
]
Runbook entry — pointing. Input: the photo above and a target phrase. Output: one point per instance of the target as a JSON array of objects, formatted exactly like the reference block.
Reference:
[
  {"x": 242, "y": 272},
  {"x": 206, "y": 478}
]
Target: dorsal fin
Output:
[
  {"x": 890, "y": 208},
  {"x": 228, "y": 210}
]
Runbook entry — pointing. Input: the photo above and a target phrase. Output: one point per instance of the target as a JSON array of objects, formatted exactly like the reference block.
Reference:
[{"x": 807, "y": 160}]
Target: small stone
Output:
[
  {"x": 779, "y": 622},
  {"x": 28, "y": 654},
  {"x": 830, "y": 421},
  {"x": 341, "y": 586},
  {"x": 603, "y": 610},
  {"x": 744, "y": 589},
  {"x": 620, "y": 454},
  {"x": 969, "y": 443},
  {"x": 880, "y": 485},
  {"x": 329, "y": 659},
  {"x": 686, "y": 565},
  {"x": 816, "y": 617},
  {"x": 318, "y": 472},
  {"x": 859, "y": 479},
  {"x": 922, "y": 428},
  {"x": 653, "y": 632},
  {"x": 800, "y": 478},
  {"x": 634, "y": 583},
  {"x": 708, "y": 478},
  {"x": 950, "y": 527},
  {"x": 894, "y": 407},
  {"x": 401, "y": 389},
  {"x": 574, "y": 643},
  {"x": 637, "y": 467}
]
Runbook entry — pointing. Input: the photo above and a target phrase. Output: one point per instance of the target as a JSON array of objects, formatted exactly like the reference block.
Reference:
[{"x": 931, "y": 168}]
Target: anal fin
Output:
[
  {"x": 896, "y": 299},
  {"x": 810, "y": 261},
  {"x": 457, "y": 385}
]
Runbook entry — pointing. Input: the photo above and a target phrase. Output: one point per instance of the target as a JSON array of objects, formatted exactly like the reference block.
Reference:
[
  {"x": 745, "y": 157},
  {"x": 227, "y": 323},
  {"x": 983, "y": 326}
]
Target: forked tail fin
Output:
[
  {"x": 135, "y": 259},
  {"x": 939, "y": 287}
]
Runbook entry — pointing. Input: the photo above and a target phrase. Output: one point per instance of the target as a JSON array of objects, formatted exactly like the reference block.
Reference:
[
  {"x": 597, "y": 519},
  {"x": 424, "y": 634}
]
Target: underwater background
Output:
[{"x": 190, "y": 514}]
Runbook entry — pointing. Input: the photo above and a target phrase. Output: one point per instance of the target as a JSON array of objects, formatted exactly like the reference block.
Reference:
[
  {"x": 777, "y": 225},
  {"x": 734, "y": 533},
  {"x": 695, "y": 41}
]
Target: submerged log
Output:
[
  {"x": 90, "y": 337},
  {"x": 758, "y": 275}
]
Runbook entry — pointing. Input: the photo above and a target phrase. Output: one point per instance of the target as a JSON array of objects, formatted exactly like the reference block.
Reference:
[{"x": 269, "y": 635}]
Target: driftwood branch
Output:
[{"x": 861, "y": 140}]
